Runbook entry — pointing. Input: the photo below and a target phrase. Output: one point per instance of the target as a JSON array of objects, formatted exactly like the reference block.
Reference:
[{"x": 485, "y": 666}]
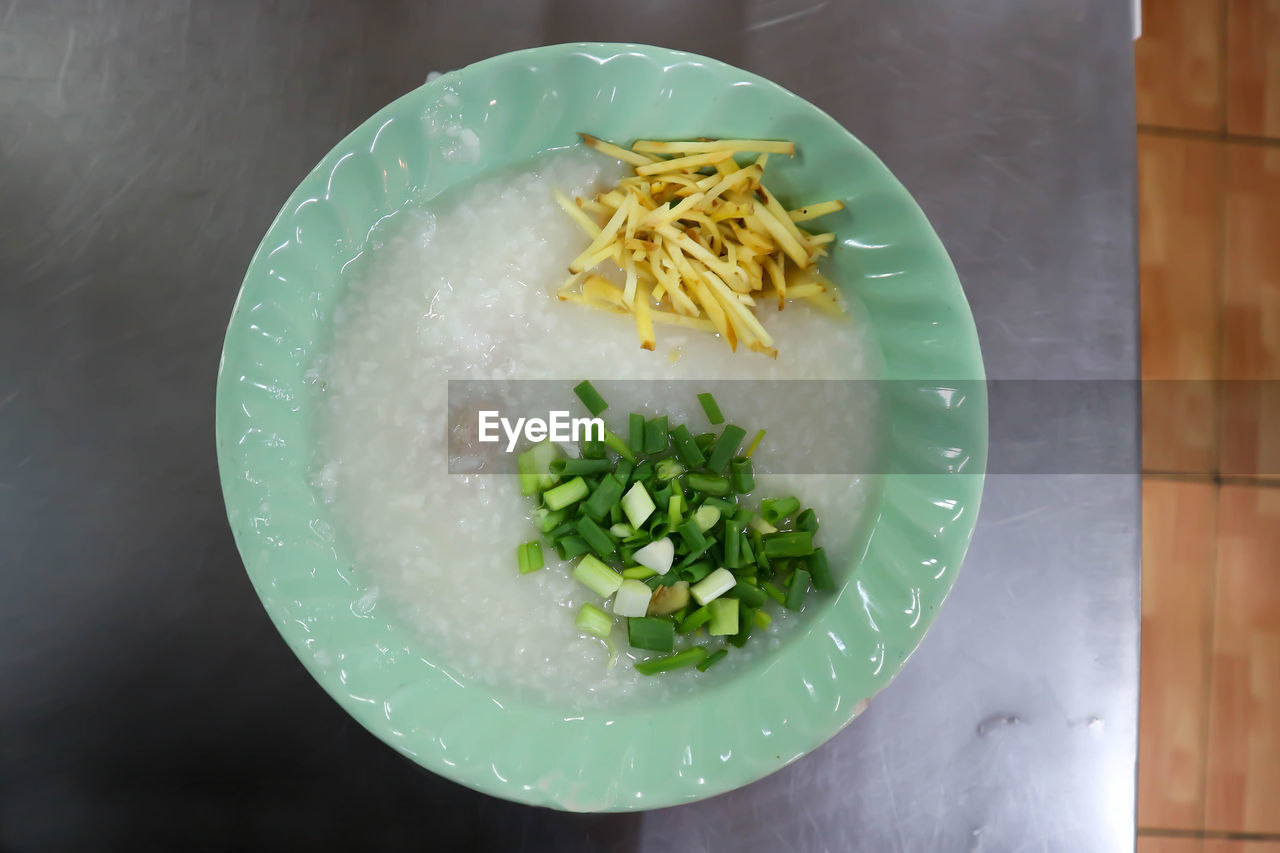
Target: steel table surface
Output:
[{"x": 145, "y": 699}]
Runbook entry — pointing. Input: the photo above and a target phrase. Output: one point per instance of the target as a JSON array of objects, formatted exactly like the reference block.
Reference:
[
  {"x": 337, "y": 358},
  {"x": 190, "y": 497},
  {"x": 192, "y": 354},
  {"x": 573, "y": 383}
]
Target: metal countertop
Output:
[{"x": 145, "y": 699}]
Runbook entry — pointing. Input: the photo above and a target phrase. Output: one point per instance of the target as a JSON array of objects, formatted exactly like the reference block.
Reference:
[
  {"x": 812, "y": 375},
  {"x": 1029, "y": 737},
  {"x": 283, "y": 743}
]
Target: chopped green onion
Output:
[
  {"x": 592, "y": 449},
  {"x": 713, "y": 586},
  {"x": 639, "y": 573},
  {"x": 529, "y": 557},
  {"x": 820, "y": 570},
  {"x": 695, "y": 620},
  {"x": 632, "y": 598},
  {"x": 745, "y": 622},
  {"x": 619, "y": 446},
  {"x": 749, "y": 595},
  {"x": 742, "y": 475},
  {"x": 708, "y": 484},
  {"x": 691, "y": 533},
  {"x": 762, "y": 619},
  {"x": 658, "y": 526},
  {"x": 732, "y": 543},
  {"x": 572, "y": 546},
  {"x": 795, "y": 591},
  {"x": 653, "y": 666},
  {"x": 615, "y": 514},
  {"x": 637, "y": 505},
  {"x": 590, "y": 397},
  {"x": 687, "y": 448},
  {"x": 642, "y": 473},
  {"x": 726, "y": 506},
  {"x": 635, "y": 433},
  {"x": 797, "y": 543},
  {"x": 652, "y": 633},
  {"x": 807, "y": 520},
  {"x": 706, "y": 517},
  {"x": 774, "y": 593},
  {"x": 724, "y": 617},
  {"x": 759, "y": 525},
  {"x": 668, "y": 469},
  {"x": 603, "y": 498},
  {"x": 754, "y": 444},
  {"x": 696, "y": 570},
  {"x": 748, "y": 558},
  {"x": 623, "y": 472},
  {"x": 595, "y": 536},
  {"x": 534, "y": 466},
  {"x": 565, "y": 493},
  {"x": 548, "y": 520},
  {"x": 658, "y": 555},
  {"x": 704, "y": 440},
  {"x": 709, "y": 406},
  {"x": 593, "y": 620},
  {"x": 675, "y": 509},
  {"x": 655, "y": 435},
  {"x": 654, "y": 582},
  {"x": 712, "y": 659},
  {"x": 597, "y": 577},
  {"x": 622, "y": 531},
  {"x": 744, "y": 514},
  {"x": 725, "y": 448},
  {"x": 775, "y": 509},
  {"x": 574, "y": 467},
  {"x": 757, "y": 545}
]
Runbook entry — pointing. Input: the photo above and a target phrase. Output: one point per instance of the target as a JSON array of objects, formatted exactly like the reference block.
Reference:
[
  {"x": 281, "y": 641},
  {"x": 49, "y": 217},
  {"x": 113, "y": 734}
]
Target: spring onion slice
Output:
[
  {"x": 774, "y": 510},
  {"x": 637, "y": 505},
  {"x": 707, "y": 484},
  {"x": 820, "y": 570},
  {"x": 741, "y": 475},
  {"x": 590, "y": 397},
  {"x": 706, "y": 517},
  {"x": 632, "y": 598},
  {"x": 724, "y": 617},
  {"x": 763, "y": 620},
  {"x": 570, "y": 547},
  {"x": 749, "y": 595},
  {"x": 639, "y": 573},
  {"x": 695, "y": 620},
  {"x": 797, "y": 589},
  {"x": 653, "y": 666},
  {"x": 754, "y": 444},
  {"x": 564, "y": 494},
  {"x": 603, "y": 498},
  {"x": 687, "y": 448},
  {"x": 635, "y": 434},
  {"x": 619, "y": 446},
  {"x": 656, "y": 435},
  {"x": 774, "y": 593},
  {"x": 592, "y": 620},
  {"x": 574, "y": 467},
  {"x": 668, "y": 469},
  {"x": 595, "y": 536},
  {"x": 535, "y": 467},
  {"x": 711, "y": 408},
  {"x": 713, "y": 586},
  {"x": 652, "y": 633},
  {"x": 807, "y": 520},
  {"x": 529, "y": 557},
  {"x": 597, "y": 577},
  {"x": 795, "y": 543},
  {"x": 712, "y": 659},
  {"x": 658, "y": 555},
  {"x": 725, "y": 448}
]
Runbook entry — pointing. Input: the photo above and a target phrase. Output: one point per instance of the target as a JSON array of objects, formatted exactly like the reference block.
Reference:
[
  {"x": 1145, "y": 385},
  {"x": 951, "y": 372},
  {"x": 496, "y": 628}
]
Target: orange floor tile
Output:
[
  {"x": 1243, "y": 781},
  {"x": 1179, "y": 528},
  {"x": 1250, "y": 429},
  {"x": 1253, "y": 67},
  {"x": 1179, "y": 64},
  {"x": 1180, "y": 231}
]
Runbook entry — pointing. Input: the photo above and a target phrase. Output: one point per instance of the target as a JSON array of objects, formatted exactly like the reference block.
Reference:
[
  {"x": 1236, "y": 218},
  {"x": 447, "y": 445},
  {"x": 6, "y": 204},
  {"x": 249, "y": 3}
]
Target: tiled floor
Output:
[{"x": 1209, "y": 211}]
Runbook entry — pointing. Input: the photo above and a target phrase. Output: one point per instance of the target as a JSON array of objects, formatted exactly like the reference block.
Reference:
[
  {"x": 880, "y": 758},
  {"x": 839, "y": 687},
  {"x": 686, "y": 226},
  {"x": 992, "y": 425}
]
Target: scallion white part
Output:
[
  {"x": 706, "y": 517},
  {"x": 592, "y": 620},
  {"x": 713, "y": 586},
  {"x": 637, "y": 505},
  {"x": 598, "y": 577},
  {"x": 657, "y": 555},
  {"x": 758, "y": 523},
  {"x": 632, "y": 599}
]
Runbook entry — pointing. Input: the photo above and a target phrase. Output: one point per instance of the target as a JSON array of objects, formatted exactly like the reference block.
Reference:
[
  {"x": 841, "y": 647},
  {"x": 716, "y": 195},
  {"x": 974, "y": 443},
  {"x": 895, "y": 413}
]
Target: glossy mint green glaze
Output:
[{"x": 695, "y": 746}]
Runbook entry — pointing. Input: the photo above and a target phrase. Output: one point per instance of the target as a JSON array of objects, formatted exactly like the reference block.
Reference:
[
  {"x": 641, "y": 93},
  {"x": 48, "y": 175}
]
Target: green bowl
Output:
[{"x": 604, "y": 760}]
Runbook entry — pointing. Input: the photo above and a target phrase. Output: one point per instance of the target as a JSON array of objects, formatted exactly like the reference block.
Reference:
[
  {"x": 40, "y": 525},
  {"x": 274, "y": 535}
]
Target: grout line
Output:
[
  {"x": 1224, "y": 66},
  {"x": 1215, "y": 834},
  {"x": 1211, "y": 479},
  {"x": 1208, "y": 135}
]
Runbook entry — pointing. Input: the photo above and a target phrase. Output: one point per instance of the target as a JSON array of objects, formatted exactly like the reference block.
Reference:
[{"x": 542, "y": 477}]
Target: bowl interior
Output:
[{"x": 494, "y": 114}]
